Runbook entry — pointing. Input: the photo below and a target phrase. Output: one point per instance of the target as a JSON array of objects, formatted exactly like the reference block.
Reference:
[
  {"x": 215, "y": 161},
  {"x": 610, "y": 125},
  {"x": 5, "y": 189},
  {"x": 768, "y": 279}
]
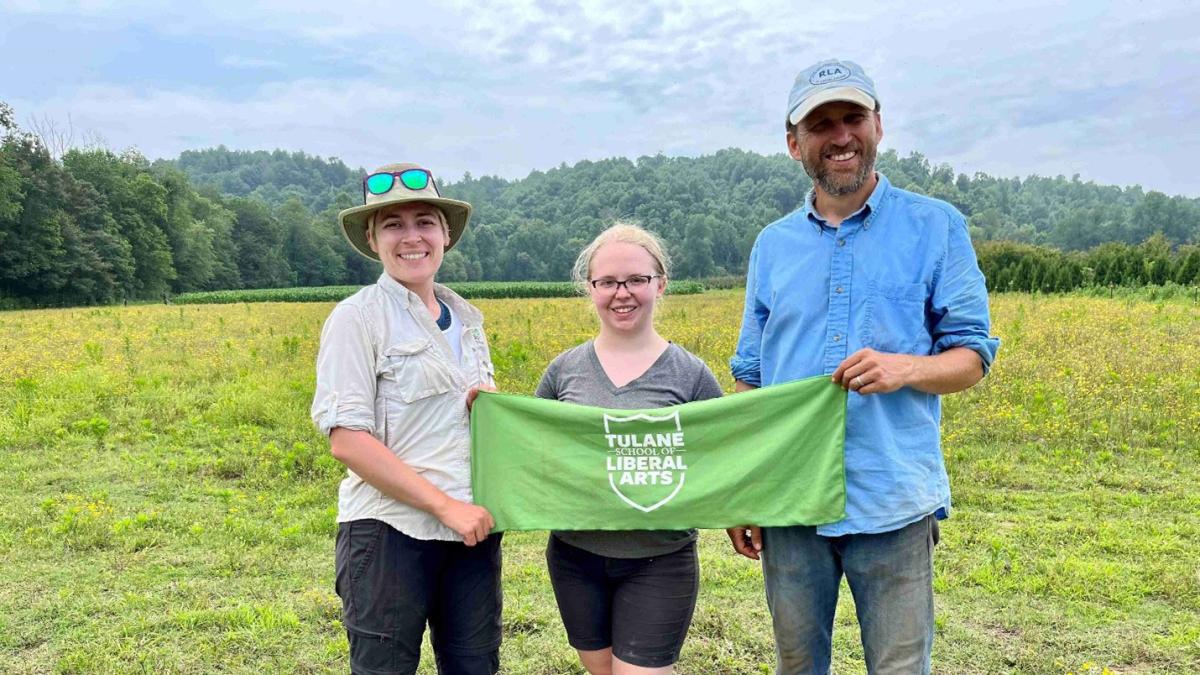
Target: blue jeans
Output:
[{"x": 890, "y": 575}]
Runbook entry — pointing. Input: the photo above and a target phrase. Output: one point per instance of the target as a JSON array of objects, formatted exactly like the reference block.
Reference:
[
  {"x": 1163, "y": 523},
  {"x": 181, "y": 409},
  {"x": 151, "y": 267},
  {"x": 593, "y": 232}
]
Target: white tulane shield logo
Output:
[{"x": 645, "y": 458}]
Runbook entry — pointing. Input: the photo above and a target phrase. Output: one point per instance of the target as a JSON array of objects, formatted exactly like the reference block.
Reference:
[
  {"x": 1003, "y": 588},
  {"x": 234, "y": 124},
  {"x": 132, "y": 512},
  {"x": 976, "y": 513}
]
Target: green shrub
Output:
[{"x": 722, "y": 283}]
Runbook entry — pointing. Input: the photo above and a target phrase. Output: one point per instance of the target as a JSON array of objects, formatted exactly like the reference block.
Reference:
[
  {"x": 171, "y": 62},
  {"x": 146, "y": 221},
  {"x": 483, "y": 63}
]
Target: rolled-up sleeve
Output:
[
  {"x": 746, "y": 362},
  {"x": 959, "y": 303},
  {"x": 345, "y": 392}
]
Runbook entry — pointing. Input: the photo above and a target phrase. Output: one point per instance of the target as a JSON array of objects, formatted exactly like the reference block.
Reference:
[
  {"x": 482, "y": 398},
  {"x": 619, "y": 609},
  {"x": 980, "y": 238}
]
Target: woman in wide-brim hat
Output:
[{"x": 397, "y": 363}]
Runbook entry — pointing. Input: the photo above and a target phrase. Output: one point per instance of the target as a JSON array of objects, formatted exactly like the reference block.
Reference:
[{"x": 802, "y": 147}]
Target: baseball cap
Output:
[{"x": 830, "y": 80}]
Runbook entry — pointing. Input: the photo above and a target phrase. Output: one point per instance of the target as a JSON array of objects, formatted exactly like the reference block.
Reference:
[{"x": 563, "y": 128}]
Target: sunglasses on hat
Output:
[{"x": 413, "y": 179}]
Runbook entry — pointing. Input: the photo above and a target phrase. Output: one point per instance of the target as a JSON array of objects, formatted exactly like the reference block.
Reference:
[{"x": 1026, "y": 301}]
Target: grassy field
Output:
[{"x": 168, "y": 507}]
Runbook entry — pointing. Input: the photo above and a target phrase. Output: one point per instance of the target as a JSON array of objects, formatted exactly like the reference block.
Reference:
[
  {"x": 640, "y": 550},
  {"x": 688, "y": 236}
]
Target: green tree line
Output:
[
  {"x": 95, "y": 227},
  {"x": 1011, "y": 266}
]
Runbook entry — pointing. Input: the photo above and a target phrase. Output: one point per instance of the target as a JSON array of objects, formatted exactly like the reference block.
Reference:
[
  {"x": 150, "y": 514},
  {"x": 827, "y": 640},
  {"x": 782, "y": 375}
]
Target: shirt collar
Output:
[
  {"x": 396, "y": 290},
  {"x": 871, "y": 205},
  {"x": 467, "y": 312}
]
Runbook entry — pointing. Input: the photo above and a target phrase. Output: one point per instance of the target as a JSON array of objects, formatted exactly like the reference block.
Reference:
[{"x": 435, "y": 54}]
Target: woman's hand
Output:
[
  {"x": 375, "y": 463},
  {"x": 471, "y": 521},
  {"x": 473, "y": 392}
]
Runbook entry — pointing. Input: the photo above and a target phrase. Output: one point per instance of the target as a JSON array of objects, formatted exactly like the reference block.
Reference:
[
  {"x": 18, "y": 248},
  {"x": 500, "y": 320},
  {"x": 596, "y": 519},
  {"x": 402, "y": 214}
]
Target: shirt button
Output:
[
  {"x": 837, "y": 338},
  {"x": 841, "y": 242},
  {"x": 838, "y": 289}
]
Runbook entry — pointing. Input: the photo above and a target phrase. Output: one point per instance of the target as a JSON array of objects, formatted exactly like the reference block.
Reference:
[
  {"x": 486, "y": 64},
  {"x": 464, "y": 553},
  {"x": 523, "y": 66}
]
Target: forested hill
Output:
[
  {"x": 272, "y": 177},
  {"x": 95, "y": 227},
  {"x": 709, "y": 208},
  {"x": 1068, "y": 214}
]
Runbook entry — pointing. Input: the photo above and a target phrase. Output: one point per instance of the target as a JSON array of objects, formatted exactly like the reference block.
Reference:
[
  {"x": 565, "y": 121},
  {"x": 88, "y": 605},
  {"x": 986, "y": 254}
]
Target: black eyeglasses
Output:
[{"x": 634, "y": 283}]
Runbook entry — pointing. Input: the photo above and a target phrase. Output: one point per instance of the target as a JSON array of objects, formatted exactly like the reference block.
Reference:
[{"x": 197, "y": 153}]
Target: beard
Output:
[{"x": 837, "y": 184}]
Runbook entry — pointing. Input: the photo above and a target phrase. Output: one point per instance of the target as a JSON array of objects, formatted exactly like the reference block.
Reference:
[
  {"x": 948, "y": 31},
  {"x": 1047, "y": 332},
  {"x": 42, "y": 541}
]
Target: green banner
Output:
[{"x": 771, "y": 456}]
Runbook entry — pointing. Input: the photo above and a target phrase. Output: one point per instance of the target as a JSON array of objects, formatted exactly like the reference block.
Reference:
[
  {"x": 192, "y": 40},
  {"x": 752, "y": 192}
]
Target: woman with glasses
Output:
[
  {"x": 626, "y": 598},
  {"x": 397, "y": 362}
]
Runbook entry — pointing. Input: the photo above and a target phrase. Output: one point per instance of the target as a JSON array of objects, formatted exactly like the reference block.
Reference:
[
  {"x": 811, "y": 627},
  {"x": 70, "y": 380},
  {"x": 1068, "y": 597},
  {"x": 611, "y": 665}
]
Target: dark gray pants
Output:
[{"x": 391, "y": 585}]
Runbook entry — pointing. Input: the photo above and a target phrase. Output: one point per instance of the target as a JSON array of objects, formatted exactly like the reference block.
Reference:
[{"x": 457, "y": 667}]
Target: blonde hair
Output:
[{"x": 626, "y": 233}]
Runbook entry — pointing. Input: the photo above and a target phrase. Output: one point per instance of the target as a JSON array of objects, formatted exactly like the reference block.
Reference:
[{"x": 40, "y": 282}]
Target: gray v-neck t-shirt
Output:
[{"x": 576, "y": 376}]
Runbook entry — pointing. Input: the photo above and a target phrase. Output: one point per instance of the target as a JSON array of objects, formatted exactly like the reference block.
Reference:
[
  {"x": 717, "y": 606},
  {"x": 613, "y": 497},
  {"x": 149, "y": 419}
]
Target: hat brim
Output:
[
  {"x": 850, "y": 94},
  {"x": 354, "y": 220}
]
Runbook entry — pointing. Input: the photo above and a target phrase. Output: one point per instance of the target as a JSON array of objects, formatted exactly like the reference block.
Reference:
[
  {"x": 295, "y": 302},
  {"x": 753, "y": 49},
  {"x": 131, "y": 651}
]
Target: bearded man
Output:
[{"x": 879, "y": 289}]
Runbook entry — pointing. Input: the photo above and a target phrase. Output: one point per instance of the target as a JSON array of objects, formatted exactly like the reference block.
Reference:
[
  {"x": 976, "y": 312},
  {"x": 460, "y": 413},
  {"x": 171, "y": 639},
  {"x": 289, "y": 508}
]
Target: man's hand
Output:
[
  {"x": 867, "y": 371},
  {"x": 473, "y": 393},
  {"x": 471, "y": 521},
  {"x": 747, "y": 540}
]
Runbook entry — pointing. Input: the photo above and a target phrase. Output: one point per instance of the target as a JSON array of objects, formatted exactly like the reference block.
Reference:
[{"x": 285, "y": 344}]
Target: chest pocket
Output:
[
  {"x": 898, "y": 318},
  {"x": 412, "y": 370}
]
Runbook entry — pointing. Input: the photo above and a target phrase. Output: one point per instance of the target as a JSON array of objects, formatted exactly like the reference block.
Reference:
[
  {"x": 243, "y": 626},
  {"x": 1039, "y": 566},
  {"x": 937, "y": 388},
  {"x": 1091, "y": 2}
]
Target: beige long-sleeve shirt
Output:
[{"x": 384, "y": 367}]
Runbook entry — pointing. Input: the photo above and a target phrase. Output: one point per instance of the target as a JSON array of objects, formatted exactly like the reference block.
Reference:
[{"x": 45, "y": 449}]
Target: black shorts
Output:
[
  {"x": 641, "y": 607},
  {"x": 392, "y": 584}
]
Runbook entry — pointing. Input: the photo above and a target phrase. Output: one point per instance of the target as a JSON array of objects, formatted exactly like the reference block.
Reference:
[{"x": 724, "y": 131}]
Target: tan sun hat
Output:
[{"x": 354, "y": 220}]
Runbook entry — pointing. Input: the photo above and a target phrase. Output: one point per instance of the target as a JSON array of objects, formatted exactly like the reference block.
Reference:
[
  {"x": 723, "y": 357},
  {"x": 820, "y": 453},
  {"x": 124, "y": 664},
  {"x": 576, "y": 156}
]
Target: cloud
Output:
[
  {"x": 1014, "y": 88},
  {"x": 1083, "y": 89}
]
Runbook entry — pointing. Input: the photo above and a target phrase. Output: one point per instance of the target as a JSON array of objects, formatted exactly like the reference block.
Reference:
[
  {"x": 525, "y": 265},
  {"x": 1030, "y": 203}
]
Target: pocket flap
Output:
[
  {"x": 412, "y": 370},
  {"x": 408, "y": 348},
  {"x": 903, "y": 291}
]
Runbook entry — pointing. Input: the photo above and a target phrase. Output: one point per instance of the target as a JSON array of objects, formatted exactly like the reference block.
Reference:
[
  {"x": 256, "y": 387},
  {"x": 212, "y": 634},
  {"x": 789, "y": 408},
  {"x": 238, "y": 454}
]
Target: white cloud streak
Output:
[{"x": 1010, "y": 89}]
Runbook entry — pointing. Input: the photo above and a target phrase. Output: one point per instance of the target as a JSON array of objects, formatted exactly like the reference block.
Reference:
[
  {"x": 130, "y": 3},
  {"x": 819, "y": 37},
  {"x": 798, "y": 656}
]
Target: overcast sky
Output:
[{"x": 1109, "y": 91}]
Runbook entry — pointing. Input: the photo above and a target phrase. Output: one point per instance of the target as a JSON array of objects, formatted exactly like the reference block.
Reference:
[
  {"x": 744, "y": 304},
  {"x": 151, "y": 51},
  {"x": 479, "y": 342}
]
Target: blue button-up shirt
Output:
[{"x": 899, "y": 276}]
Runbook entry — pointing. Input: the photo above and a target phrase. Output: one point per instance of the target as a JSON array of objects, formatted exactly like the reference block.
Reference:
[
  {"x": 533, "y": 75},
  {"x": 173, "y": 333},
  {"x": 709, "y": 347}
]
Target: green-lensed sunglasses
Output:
[{"x": 413, "y": 179}]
